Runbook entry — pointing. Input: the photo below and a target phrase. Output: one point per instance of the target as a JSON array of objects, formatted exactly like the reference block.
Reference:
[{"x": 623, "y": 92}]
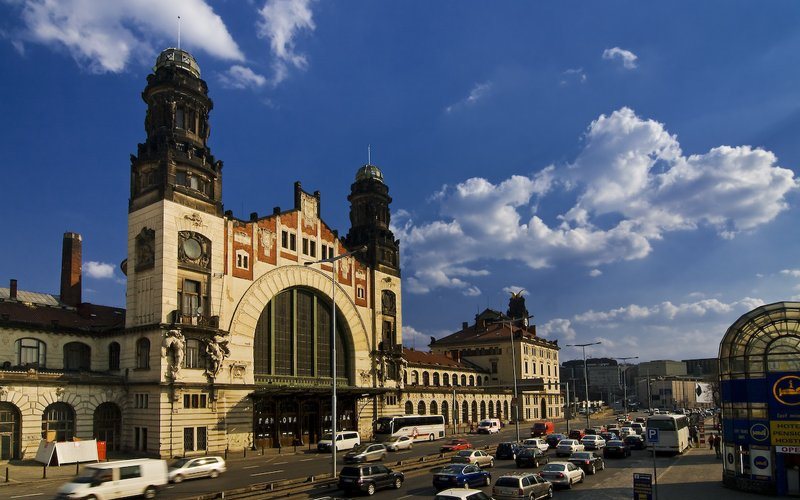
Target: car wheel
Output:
[
  {"x": 593, "y": 469},
  {"x": 487, "y": 481},
  {"x": 491, "y": 463},
  {"x": 214, "y": 474},
  {"x": 398, "y": 483},
  {"x": 569, "y": 483},
  {"x": 383, "y": 456},
  {"x": 602, "y": 466},
  {"x": 430, "y": 437},
  {"x": 410, "y": 446},
  {"x": 150, "y": 492},
  {"x": 370, "y": 489},
  {"x": 177, "y": 479},
  {"x": 583, "y": 476},
  {"x": 550, "y": 492}
]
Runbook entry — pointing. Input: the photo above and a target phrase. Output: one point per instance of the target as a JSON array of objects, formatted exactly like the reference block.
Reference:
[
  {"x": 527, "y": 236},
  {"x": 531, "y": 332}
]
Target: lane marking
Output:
[
  {"x": 306, "y": 459},
  {"x": 280, "y": 463},
  {"x": 265, "y": 473},
  {"x": 28, "y": 495},
  {"x": 251, "y": 467}
]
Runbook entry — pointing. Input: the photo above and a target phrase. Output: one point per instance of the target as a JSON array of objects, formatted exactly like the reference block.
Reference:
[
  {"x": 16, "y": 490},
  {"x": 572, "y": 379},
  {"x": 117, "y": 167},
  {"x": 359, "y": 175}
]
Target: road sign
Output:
[
  {"x": 642, "y": 486},
  {"x": 652, "y": 435}
]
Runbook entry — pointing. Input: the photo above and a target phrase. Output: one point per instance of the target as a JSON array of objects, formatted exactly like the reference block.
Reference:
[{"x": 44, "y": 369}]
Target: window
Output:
[
  {"x": 194, "y": 354},
  {"x": 391, "y": 400},
  {"x": 194, "y": 400},
  {"x": 140, "y": 438},
  {"x": 58, "y": 422},
  {"x": 292, "y": 242},
  {"x": 312, "y": 248},
  {"x": 435, "y": 379},
  {"x": 77, "y": 356},
  {"x": 189, "y": 298},
  {"x": 494, "y": 366},
  {"x": 285, "y": 239},
  {"x": 305, "y": 246},
  {"x": 141, "y": 400},
  {"x": 130, "y": 472},
  {"x": 31, "y": 352},
  {"x": 360, "y": 292},
  {"x": 446, "y": 379},
  {"x": 143, "y": 353},
  {"x": 113, "y": 356},
  {"x": 242, "y": 260},
  {"x": 194, "y": 438}
]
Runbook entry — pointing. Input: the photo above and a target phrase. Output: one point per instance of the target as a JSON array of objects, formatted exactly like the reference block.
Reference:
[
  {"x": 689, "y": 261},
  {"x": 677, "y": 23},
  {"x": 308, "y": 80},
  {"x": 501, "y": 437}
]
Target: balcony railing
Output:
[
  {"x": 195, "y": 320},
  {"x": 290, "y": 381}
]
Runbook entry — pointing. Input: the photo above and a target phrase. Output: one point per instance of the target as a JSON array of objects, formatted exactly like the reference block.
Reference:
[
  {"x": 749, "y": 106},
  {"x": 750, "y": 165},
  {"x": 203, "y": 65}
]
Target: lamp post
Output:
[
  {"x": 332, "y": 261},
  {"x": 585, "y": 374},
  {"x": 510, "y": 322},
  {"x": 625, "y": 383}
]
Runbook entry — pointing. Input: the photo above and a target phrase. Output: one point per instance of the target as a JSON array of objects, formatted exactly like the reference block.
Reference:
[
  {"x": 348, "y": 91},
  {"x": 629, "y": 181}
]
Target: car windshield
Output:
[
  {"x": 525, "y": 452},
  {"x": 326, "y": 437},
  {"x": 464, "y": 453},
  {"x": 452, "y": 469},
  {"x": 553, "y": 468},
  {"x": 180, "y": 463},
  {"x": 581, "y": 456},
  {"x": 396, "y": 439},
  {"x": 566, "y": 442},
  {"x": 359, "y": 449},
  {"x": 590, "y": 438},
  {"x": 511, "y": 482},
  {"x": 350, "y": 471}
]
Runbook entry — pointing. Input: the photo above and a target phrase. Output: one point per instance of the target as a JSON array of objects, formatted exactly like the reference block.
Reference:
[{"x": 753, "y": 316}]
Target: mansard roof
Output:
[
  {"x": 488, "y": 328},
  {"x": 434, "y": 360}
]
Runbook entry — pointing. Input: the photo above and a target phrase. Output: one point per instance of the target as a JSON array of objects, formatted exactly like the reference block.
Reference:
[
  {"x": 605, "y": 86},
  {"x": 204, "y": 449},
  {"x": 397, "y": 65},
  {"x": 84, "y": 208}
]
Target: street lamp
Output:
[
  {"x": 585, "y": 374},
  {"x": 625, "y": 383},
  {"x": 332, "y": 261},
  {"x": 510, "y": 322}
]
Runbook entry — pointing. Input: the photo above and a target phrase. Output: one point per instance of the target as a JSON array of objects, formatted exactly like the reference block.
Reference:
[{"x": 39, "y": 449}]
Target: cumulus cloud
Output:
[
  {"x": 631, "y": 184},
  {"x": 794, "y": 273},
  {"x": 627, "y": 57},
  {"x": 241, "y": 77},
  {"x": 558, "y": 328},
  {"x": 575, "y": 75},
  {"x": 103, "y": 36},
  {"x": 99, "y": 270},
  {"x": 594, "y": 273},
  {"x": 479, "y": 91},
  {"x": 281, "y": 21}
]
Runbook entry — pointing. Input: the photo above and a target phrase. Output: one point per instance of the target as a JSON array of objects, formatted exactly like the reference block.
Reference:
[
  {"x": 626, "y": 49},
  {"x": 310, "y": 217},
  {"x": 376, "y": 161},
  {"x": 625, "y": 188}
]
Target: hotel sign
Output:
[
  {"x": 784, "y": 398},
  {"x": 785, "y": 433}
]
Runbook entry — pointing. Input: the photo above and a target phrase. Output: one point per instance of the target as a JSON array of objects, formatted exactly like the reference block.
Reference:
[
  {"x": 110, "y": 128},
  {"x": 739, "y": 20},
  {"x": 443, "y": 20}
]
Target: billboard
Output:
[{"x": 703, "y": 393}]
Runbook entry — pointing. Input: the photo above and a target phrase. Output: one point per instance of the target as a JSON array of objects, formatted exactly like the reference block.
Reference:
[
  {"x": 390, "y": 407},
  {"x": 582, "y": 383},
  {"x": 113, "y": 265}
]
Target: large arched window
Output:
[
  {"x": 483, "y": 410},
  {"x": 446, "y": 379},
  {"x": 31, "y": 353},
  {"x": 463, "y": 379},
  {"x": 464, "y": 412},
  {"x": 472, "y": 380},
  {"x": 421, "y": 408},
  {"x": 113, "y": 356},
  {"x": 436, "y": 379},
  {"x": 434, "y": 408},
  {"x": 77, "y": 356},
  {"x": 414, "y": 377},
  {"x": 409, "y": 408},
  {"x": 107, "y": 424},
  {"x": 474, "y": 411},
  {"x": 445, "y": 413},
  {"x": 491, "y": 409},
  {"x": 480, "y": 380},
  {"x": 58, "y": 422},
  {"x": 293, "y": 337},
  {"x": 143, "y": 353},
  {"x": 426, "y": 378},
  {"x": 10, "y": 431}
]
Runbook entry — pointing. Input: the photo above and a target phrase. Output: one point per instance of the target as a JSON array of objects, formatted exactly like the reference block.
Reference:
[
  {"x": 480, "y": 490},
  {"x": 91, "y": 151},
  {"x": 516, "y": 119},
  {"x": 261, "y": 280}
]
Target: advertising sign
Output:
[
  {"x": 784, "y": 396},
  {"x": 642, "y": 486},
  {"x": 760, "y": 462},
  {"x": 785, "y": 432},
  {"x": 703, "y": 393},
  {"x": 794, "y": 450}
]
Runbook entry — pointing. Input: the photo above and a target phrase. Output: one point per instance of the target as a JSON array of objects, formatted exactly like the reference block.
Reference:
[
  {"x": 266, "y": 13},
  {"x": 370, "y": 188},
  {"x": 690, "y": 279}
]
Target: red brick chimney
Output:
[
  {"x": 12, "y": 290},
  {"x": 71, "y": 269}
]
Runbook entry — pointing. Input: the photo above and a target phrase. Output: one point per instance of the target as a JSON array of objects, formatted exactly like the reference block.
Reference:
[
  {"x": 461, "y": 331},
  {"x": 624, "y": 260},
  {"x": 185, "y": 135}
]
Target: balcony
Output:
[
  {"x": 194, "y": 320},
  {"x": 290, "y": 381}
]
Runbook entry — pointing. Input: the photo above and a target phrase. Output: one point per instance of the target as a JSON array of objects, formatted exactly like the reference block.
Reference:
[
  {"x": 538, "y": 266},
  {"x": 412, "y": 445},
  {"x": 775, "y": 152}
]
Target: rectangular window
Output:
[
  {"x": 141, "y": 400},
  {"x": 242, "y": 260},
  {"x": 324, "y": 250},
  {"x": 360, "y": 292},
  {"x": 179, "y": 118},
  {"x": 285, "y": 239},
  {"x": 191, "y": 357},
  {"x": 190, "y": 298},
  {"x": 140, "y": 438},
  {"x": 195, "y": 400},
  {"x": 130, "y": 472},
  {"x": 305, "y": 246},
  {"x": 494, "y": 366},
  {"x": 194, "y": 438},
  {"x": 312, "y": 248},
  {"x": 292, "y": 242}
]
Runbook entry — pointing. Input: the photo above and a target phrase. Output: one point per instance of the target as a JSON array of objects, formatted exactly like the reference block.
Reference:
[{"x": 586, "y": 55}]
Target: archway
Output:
[
  {"x": 10, "y": 432},
  {"x": 543, "y": 408},
  {"x": 107, "y": 423},
  {"x": 58, "y": 422}
]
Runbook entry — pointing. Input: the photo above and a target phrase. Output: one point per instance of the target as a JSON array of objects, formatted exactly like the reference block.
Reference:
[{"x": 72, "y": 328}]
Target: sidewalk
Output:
[{"x": 697, "y": 474}]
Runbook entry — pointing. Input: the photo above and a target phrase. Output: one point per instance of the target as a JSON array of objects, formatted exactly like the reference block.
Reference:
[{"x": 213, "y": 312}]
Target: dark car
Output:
[
  {"x": 576, "y": 434},
  {"x": 635, "y": 442},
  {"x": 617, "y": 448},
  {"x": 531, "y": 457},
  {"x": 460, "y": 476},
  {"x": 608, "y": 436},
  {"x": 553, "y": 439},
  {"x": 506, "y": 451},
  {"x": 589, "y": 461},
  {"x": 455, "y": 445},
  {"x": 369, "y": 478}
]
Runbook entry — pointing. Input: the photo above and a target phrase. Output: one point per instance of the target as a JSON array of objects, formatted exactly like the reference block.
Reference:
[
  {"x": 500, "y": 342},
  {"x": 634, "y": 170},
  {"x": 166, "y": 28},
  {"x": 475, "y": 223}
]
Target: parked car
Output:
[
  {"x": 531, "y": 457},
  {"x": 399, "y": 443},
  {"x": 506, "y": 451},
  {"x": 123, "y": 478},
  {"x": 635, "y": 442},
  {"x": 567, "y": 447},
  {"x": 366, "y": 453},
  {"x": 189, "y": 468},
  {"x": 562, "y": 473},
  {"x": 538, "y": 443},
  {"x": 576, "y": 434},
  {"x": 554, "y": 439},
  {"x": 617, "y": 448},
  {"x": 455, "y": 445},
  {"x": 589, "y": 461},
  {"x": 522, "y": 487},
  {"x": 639, "y": 420},
  {"x": 461, "y": 494},
  {"x": 476, "y": 457},
  {"x": 461, "y": 475},
  {"x": 593, "y": 442},
  {"x": 369, "y": 478}
]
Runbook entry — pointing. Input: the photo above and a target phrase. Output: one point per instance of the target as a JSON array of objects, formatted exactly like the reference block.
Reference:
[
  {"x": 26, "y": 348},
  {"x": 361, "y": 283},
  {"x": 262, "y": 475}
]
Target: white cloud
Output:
[
  {"x": 627, "y": 57},
  {"x": 99, "y": 270},
  {"x": 479, "y": 91},
  {"x": 794, "y": 273},
  {"x": 415, "y": 338},
  {"x": 575, "y": 75},
  {"x": 632, "y": 185},
  {"x": 103, "y": 36},
  {"x": 594, "y": 273},
  {"x": 557, "y": 329},
  {"x": 240, "y": 77},
  {"x": 281, "y": 22},
  {"x": 516, "y": 289}
]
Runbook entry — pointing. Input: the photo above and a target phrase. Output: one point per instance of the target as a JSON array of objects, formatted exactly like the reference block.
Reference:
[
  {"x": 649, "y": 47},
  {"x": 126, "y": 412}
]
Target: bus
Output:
[
  {"x": 417, "y": 427},
  {"x": 673, "y": 432}
]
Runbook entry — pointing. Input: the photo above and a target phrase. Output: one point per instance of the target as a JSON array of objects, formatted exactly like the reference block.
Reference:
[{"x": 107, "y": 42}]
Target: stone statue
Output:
[
  {"x": 175, "y": 342},
  {"x": 217, "y": 350}
]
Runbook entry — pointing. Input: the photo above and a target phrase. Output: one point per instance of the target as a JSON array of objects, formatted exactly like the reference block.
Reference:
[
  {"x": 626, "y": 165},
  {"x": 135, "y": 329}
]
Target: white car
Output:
[
  {"x": 593, "y": 442},
  {"x": 562, "y": 473},
  {"x": 567, "y": 447},
  {"x": 626, "y": 431},
  {"x": 461, "y": 494},
  {"x": 188, "y": 468},
  {"x": 537, "y": 442},
  {"x": 399, "y": 443}
]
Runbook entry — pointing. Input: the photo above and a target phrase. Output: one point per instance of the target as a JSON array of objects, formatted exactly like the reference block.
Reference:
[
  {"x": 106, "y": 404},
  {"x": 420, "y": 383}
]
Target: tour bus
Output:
[
  {"x": 417, "y": 427},
  {"x": 673, "y": 432}
]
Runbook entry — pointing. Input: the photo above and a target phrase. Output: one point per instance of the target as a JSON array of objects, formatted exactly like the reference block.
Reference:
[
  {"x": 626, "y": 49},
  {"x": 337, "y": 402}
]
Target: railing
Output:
[
  {"x": 289, "y": 380},
  {"x": 196, "y": 320}
]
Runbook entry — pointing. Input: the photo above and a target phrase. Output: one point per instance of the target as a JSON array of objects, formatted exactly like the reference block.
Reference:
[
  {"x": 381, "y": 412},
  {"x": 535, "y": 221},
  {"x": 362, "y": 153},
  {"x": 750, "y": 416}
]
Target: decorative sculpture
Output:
[
  {"x": 175, "y": 342},
  {"x": 217, "y": 350}
]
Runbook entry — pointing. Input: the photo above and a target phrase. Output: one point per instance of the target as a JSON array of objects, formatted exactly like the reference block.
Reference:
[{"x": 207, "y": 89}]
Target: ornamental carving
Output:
[
  {"x": 145, "y": 249},
  {"x": 194, "y": 249},
  {"x": 267, "y": 239},
  {"x": 388, "y": 303},
  {"x": 194, "y": 219},
  {"x": 172, "y": 349},
  {"x": 309, "y": 206},
  {"x": 217, "y": 350}
]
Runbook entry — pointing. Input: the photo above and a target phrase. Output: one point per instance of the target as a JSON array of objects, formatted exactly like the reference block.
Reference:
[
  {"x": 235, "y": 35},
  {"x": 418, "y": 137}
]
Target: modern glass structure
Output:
[{"x": 760, "y": 392}]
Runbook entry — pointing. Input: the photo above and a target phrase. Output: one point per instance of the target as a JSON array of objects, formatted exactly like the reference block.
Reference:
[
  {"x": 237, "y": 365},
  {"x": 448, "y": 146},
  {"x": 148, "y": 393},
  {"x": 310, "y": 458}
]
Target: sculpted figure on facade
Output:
[
  {"x": 172, "y": 349},
  {"x": 217, "y": 350},
  {"x": 145, "y": 249}
]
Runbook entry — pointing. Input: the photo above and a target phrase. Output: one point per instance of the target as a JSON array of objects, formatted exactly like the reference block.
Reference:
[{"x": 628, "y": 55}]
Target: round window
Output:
[{"x": 192, "y": 248}]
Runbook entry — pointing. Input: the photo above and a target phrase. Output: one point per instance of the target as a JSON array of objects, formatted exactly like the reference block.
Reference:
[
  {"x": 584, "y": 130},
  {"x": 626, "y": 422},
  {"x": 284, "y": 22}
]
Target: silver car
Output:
[
  {"x": 563, "y": 473},
  {"x": 567, "y": 447},
  {"x": 188, "y": 468},
  {"x": 365, "y": 453},
  {"x": 522, "y": 487},
  {"x": 476, "y": 457},
  {"x": 399, "y": 443}
]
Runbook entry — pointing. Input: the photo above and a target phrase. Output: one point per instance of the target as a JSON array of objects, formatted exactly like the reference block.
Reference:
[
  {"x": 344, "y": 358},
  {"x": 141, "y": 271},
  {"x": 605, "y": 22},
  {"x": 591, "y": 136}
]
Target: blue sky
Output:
[{"x": 630, "y": 165}]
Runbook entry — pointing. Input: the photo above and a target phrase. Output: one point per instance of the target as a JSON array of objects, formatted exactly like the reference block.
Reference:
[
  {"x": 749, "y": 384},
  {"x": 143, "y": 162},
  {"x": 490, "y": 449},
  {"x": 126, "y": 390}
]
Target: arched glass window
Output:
[
  {"x": 293, "y": 336},
  {"x": 499, "y": 409},
  {"x": 446, "y": 379},
  {"x": 474, "y": 411},
  {"x": 464, "y": 412},
  {"x": 409, "y": 408},
  {"x": 434, "y": 408},
  {"x": 480, "y": 381},
  {"x": 491, "y": 409},
  {"x": 436, "y": 378},
  {"x": 143, "y": 353},
  {"x": 505, "y": 410},
  {"x": 414, "y": 378},
  {"x": 77, "y": 356},
  {"x": 426, "y": 378},
  {"x": 107, "y": 425},
  {"x": 10, "y": 431},
  {"x": 31, "y": 353},
  {"x": 58, "y": 422},
  {"x": 113, "y": 356},
  {"x": 445, "y": 413},
  {"x": 471, "y": 380},
  {"x": 421, "y": 408},
  {"x": 483, "y": 410},
  {"x": 463, "y": 379}
]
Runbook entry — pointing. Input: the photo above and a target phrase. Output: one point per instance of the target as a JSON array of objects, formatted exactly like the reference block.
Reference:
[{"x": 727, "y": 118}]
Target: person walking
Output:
[{"x": 717, "y": 443}]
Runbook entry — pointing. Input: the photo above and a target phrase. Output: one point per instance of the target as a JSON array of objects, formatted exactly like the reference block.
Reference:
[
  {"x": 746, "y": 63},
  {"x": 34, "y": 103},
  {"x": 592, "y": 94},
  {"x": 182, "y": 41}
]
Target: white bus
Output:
[
  {"x": 673, "y": 432},
  {"x": 417, "y": 427}
]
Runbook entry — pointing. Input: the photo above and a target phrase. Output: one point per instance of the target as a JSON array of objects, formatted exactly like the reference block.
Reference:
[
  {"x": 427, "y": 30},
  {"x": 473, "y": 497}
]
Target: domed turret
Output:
[
  {"x": 177, "y": 58},
  {"x": 369, "y": 172}
]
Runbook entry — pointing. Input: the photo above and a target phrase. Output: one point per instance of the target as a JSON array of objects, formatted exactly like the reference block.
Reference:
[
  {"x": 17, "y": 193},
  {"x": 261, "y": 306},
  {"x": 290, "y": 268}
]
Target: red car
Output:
[{"x": 455, "y": 445}]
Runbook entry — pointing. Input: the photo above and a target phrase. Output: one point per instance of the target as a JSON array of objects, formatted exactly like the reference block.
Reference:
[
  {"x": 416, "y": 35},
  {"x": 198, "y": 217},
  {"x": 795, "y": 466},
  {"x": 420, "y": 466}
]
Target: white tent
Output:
[{"x": 68, "y": 452}]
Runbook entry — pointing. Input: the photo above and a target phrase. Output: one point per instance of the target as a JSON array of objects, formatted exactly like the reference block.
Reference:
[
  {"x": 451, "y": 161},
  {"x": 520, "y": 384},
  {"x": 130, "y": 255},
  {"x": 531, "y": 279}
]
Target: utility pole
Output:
[
  {"x": 585, "y": 374},
  {"x": 625, "y": 383}
]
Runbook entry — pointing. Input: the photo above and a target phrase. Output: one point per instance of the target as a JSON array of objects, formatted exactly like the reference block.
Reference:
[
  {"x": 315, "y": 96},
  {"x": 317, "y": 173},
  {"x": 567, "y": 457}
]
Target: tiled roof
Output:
[
  {"x": 44, "y": 299},
  {"x": 493, "y": 332},
  {"x": 44, "y": 311},
  {"x": 432, "y": 359}
]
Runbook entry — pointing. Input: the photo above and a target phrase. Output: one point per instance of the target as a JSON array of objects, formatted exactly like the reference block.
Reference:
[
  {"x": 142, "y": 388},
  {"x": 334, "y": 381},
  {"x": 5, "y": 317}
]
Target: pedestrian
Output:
[
  {"x": 692, "y": 436},
  {"x": 717, "y": 443},
  {"x": 711, "y": 442}
]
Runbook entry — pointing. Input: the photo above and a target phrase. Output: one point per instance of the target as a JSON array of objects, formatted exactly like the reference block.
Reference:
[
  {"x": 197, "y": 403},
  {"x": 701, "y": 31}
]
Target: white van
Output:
[
  {"x": 345, "y": 440},
  {"x": 489, "y": 426},
  {"x": 125, "y": 478}
]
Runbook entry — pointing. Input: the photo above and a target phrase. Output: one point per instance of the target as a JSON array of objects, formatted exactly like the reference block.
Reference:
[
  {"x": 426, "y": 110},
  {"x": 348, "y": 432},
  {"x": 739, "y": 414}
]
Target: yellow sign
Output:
[
  {"x": 785, "y": 432},
  {"x": 784, "y": 390}
]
